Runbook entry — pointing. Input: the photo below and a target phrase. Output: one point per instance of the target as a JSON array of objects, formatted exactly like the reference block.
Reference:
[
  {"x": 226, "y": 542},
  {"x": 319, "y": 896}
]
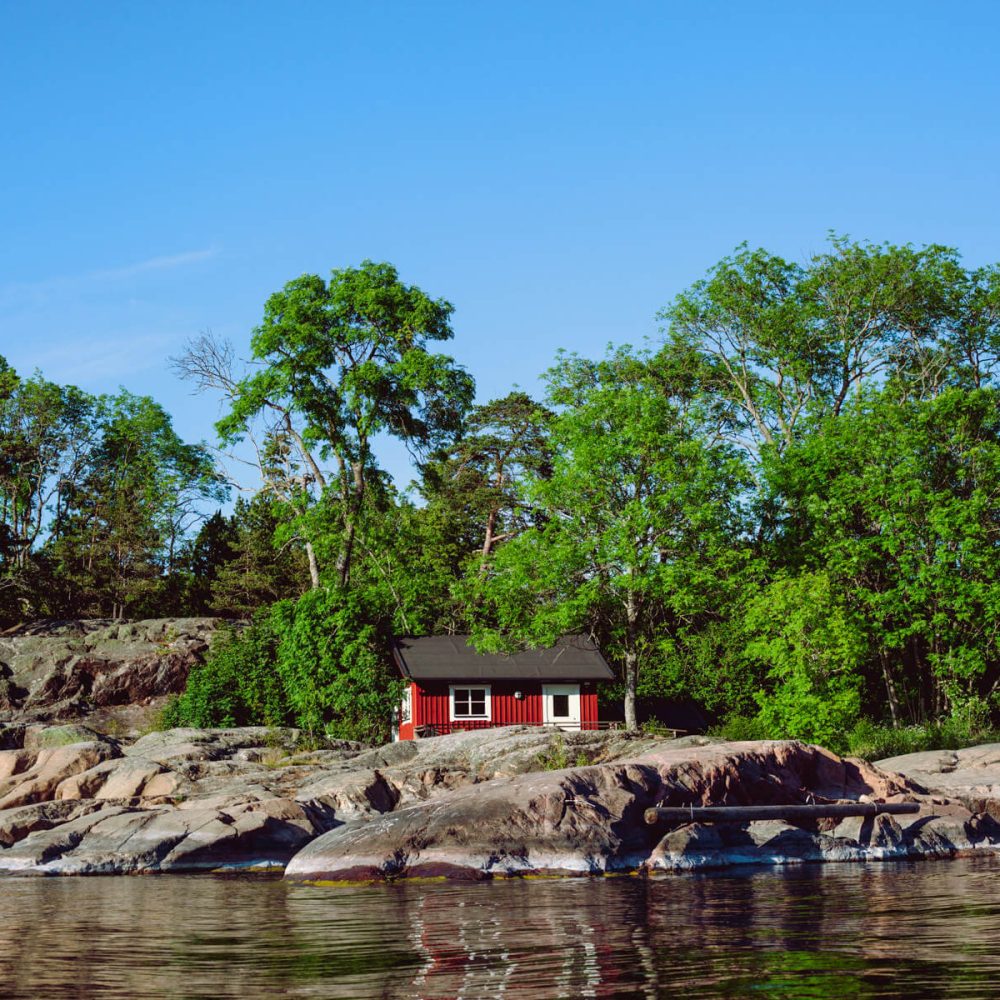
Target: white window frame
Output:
[{"x": 452, "y": 688}]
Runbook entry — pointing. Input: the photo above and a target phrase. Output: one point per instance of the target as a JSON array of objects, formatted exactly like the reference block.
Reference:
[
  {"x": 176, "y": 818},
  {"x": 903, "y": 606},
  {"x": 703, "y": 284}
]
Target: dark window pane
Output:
[
  {"x": 560, "y": 706},
  {"x": 469, "y": 702}
]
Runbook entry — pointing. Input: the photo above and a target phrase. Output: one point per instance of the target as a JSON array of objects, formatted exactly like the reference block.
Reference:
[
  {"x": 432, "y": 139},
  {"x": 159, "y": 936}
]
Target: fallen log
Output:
[{"x": 744, "y": 814}]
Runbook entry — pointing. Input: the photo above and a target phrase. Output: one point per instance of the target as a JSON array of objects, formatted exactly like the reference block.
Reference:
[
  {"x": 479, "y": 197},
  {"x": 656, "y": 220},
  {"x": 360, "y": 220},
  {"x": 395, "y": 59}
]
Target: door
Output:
[{"x": 561, "y": 705}]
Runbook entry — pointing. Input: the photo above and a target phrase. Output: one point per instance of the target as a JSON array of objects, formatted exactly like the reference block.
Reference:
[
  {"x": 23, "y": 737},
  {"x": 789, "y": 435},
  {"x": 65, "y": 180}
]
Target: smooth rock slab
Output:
[
  {"x": 971, "y": 776},
  {"x": 182, "y": 800},
  {"x": 114, "y": 839},
  {"x": 590, "y": 819},
  {"x": 49, "y": 769}
]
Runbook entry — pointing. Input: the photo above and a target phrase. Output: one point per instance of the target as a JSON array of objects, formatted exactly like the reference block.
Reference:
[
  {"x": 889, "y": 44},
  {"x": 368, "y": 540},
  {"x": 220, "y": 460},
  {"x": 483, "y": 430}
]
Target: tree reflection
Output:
[{"x": 927, "y": 929}]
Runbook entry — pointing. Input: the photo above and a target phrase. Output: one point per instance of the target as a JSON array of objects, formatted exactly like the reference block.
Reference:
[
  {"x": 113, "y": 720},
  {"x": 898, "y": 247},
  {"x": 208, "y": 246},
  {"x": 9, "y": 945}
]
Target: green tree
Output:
[
  {"x": 257, "y": 569},
  {"x": 775, "y": 342},
  {"x": 47, "y": 433},
  {"x": 320, "y": 663},
  {"x": 813, "y": 649},
  {"x": 337, "y": 364},
  {"x": 130, "y": 506},
  {"x": 479, "y": 480},
  {"x": 639, "y": 516},
  {"x": 896, "y": 501}
]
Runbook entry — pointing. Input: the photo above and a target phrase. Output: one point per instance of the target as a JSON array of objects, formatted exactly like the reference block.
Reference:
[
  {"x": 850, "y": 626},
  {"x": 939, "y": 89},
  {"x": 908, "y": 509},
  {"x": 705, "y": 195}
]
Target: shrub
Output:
[
  {"x": 813, "y": 648},
  {"x": 968, "y": 725},
  {"x": 236, "y": 685},
  {"x": 556, "y": 756},
  {"x": 739, "y": 728},
  {"x": 319, "y": 664}
]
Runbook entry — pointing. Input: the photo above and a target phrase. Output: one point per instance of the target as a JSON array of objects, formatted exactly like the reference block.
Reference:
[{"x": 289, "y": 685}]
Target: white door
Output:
[{"x": 561, "y": 705}]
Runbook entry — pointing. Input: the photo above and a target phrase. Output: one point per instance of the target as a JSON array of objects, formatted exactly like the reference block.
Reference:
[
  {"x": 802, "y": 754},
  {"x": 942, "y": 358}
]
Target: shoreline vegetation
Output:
[
  {"x": 91, "y": 783},
  {"x": 785, "y": 507}
]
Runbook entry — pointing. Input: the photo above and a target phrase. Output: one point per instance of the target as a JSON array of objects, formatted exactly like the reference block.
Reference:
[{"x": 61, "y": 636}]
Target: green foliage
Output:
[
  {"x": 968, "y": 726},
  {"x": 555, "y": 757},
  {"x": 125, "y": 516},
  {"x": 244, "y": 565},
  {"x": 812, "y": 649},
  {"x": 788, "y": 511},
  {"x": 237, "y": 685},
  {"x": 320, "y": 664},
  {"x": 341, "y": 362},
  {"x": 478, "y": 483},
  {"x": 637, "y": 518},
  {"x": 740, "y": 728}
]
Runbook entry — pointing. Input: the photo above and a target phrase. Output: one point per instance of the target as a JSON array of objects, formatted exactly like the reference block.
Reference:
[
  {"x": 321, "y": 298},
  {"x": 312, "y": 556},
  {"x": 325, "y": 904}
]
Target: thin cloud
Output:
[
  {"x": 15, "y": 293},
  {"x": 166, "y": 263},
  {"x": 96, "y": 362}
]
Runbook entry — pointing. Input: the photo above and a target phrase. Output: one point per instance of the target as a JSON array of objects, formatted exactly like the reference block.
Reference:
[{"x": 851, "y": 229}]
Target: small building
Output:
[{"x": 451, "y": 687}]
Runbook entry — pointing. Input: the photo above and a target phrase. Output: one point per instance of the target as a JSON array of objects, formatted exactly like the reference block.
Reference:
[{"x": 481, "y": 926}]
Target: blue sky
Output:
[{"x": 558, "y": 171}]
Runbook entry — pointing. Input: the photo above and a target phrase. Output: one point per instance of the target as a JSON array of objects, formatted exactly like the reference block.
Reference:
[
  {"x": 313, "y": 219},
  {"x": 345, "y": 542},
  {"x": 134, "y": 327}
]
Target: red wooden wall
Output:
[{"x": 431, "y": 706}]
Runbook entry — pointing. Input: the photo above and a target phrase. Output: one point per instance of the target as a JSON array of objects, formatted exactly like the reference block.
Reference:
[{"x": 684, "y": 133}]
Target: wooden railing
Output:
[{"x": 464, "y": 725}]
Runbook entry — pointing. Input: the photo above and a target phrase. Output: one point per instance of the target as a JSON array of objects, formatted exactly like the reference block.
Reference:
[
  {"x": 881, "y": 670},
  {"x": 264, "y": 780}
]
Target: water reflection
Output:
[{"x": 926, "y": 929}]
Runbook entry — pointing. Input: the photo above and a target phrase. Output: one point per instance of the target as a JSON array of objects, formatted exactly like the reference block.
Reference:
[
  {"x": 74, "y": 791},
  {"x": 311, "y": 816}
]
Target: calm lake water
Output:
[{"x": 929, "y": 929}]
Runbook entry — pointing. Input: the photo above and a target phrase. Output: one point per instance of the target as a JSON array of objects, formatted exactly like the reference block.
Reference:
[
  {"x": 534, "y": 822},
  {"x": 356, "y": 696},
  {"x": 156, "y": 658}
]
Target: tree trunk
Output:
[
  {"x": 631, "y": 660},
  {"x": 491, "y": 523},
  {"x": 890, "y": 690},
  {"x": 631, "y": 676},
  {"x": 313, "y": 566},
  {"x": 353, "y": 513}
]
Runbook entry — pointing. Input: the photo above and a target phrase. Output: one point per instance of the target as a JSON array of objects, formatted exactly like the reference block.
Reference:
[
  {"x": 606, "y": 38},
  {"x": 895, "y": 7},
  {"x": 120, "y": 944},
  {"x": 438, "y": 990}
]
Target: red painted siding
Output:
[
  {"x": 434, "y": 702},
  {"x": 431, "y": 706},
  {"x": 406, "y": 729}
]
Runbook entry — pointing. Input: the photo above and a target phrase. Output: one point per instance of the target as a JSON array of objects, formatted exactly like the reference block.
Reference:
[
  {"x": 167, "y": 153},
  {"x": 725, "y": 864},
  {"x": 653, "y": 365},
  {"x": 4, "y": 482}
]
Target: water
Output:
[{"x": 927, "y": 929}]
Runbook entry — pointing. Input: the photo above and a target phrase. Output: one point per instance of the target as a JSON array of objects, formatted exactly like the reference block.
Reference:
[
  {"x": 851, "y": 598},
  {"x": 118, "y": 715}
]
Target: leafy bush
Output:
[
  {"x": 236, "y": 685},
  {"x": 740, "y": 728},
  {"x": 812, "y": 647},
  {"x": 556, "y": 756},
  {"x": 319, "y": 664},
  {"x": 968, "y": 725}
]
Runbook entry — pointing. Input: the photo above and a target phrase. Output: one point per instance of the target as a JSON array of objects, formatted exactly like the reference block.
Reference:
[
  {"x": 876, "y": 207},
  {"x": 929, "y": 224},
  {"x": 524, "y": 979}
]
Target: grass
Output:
[
  {"x": 876, "y": 741},
  {"x": 556, "y": 756}
]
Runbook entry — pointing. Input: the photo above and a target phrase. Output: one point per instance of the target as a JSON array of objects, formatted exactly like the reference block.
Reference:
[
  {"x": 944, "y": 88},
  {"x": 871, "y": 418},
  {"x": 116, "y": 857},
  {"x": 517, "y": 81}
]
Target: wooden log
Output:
[{"x": 744, "y": 814}]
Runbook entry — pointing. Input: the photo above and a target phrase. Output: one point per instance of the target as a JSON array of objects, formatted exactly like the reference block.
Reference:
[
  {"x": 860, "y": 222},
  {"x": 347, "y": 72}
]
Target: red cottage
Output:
[{"x": 452, "y": 687}]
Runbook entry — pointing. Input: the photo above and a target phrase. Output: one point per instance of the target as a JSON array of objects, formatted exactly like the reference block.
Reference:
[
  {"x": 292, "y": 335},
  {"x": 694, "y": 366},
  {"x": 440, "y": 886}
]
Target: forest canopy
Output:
[{"x": 784, "y": 507}]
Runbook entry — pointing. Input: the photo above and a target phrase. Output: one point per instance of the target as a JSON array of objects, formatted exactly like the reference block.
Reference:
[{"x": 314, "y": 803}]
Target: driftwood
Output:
[{"x": 744, "y": 814}]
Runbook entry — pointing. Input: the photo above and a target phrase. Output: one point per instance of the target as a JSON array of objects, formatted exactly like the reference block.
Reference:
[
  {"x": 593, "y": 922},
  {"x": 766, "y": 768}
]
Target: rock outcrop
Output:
[
  {"x": 110, "y": 674},
  {"x": 472, "y": 805},
  {"x": 186, "y": 800},
  {"x": 196, "y": 799},
  {"x": 590, "y": 819},
  {"x": 970, "y": 776}
]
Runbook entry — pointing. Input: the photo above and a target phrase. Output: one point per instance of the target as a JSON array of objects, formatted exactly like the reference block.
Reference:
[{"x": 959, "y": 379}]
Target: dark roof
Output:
[{"x": 451, "y": 657}]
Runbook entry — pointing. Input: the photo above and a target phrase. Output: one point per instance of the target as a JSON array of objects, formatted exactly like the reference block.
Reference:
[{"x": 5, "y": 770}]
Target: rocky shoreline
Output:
[
  {"x": 473, "y": 805},
  {"x": 93, "y": 796}
]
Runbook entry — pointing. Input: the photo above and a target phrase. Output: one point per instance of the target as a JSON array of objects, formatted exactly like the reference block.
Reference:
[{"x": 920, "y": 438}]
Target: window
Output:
[
  {"x": 470, "y": 702},
  {"x": 560, "y": 706}
]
